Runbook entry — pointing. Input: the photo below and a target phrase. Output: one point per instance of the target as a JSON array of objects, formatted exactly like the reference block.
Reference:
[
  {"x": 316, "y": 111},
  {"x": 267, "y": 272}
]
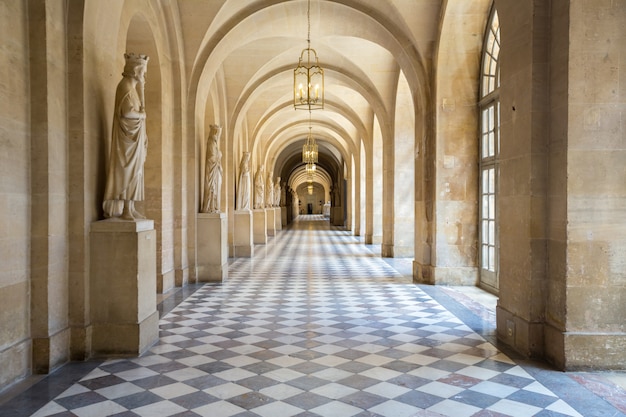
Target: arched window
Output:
[{"x": 489, "y": 104}]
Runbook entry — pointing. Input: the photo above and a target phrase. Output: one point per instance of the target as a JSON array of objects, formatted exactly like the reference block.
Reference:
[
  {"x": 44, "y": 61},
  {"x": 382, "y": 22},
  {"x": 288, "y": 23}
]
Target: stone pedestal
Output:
[
  {"x": 278, "y": 219},
  {"x": 259, "y": 227},
  {"x": 284, "y": 212},
  {"x": 212, "y": 247},
  {"x": 270, "y": 221},
  {"x": 243, "y": 238},
  {"x": 124, "y": 318},
  {"x": 337, "y": 216}
]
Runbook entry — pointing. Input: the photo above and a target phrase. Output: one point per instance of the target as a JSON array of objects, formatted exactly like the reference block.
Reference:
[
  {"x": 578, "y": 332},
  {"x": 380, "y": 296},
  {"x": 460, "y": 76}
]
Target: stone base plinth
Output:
[
  {"x": 337, "y": 216},
  {"x": 212, "y": 241},
  {"x": 123, "y": 287},
  {"x": 259, "y": 227},
  {"x": 243, "y": 243},
  {"x": 524, "y": 336},
  {"x": 278, "y": 219},
  {"x": 270, "y": 221},
  {"x": 284, "y": 213}
]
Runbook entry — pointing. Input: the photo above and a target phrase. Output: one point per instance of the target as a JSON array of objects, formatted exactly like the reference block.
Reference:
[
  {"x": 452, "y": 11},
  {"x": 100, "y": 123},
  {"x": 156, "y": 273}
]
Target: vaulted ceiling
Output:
[{"x": 247, "y": 50}]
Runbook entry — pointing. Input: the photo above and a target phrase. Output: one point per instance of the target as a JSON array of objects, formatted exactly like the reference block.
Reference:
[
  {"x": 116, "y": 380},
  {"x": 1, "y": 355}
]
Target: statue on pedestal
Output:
[
  {"x": 243, "y": 191},
  {"x": 283, "y": 196},
  {"x": 269, "y": 190},
  {"x": 212, "y": 172},
  {"x": 259, "y": 188},
  {"x": 277, "y": 192},
  {"x": 129, "y": 143}
]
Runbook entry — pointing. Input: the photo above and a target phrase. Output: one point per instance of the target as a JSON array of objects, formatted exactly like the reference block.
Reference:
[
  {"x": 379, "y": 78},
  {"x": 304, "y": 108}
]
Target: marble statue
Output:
[
  {"x": 129, "y": 143},
  {"x": 283, "y": 196},
  {"x": 337, "y": 196},
  {"x": 259, "y": 188},
  {"x": 277, "y": 192},
  {"x": 269, "y": 190},
  {"x": 243, "y": 191},
  {"x": 212, "y": 172}
]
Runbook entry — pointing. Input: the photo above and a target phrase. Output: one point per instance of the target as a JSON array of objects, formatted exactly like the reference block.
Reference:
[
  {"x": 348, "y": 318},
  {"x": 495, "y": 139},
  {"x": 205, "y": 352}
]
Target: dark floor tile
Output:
[
  {"x": 307, "y": 400},
  {"x": 194, "y": 400},
  {"x": 532, "y": 398},
  {"x": 307, "y": 383},
  {"x": 166, "y": 367},
  {"x": 400, "y": 366},
  {"x": 154, "y": 382},
  {"x": 359, "y": 382},
  {"x": 257, "y": 382},
  {"x": 119, "y": 366},
  {"x": 476, "y": 399},
  {"x": 449, "y": 366},
  {"x": 81, "y": 400},
  {"x": 102, "y": 382},
  {"x": 308, "y": 367},
  {"x": 127, "y": 414},
  {"x": 354, "y": 367},
  {"x": 409, "y": 381},
  {"x": 364, "y": 400},
  {"x": 138, "y": 400},
  {"x": 419, "y": 399},
  {"x": 461, "y": 381}
]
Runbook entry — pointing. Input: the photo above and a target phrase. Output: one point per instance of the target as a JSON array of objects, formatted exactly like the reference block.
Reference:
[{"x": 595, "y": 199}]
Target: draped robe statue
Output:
[
  {"x": 212, "y": 172},
  {"x": 243, "y": 191},
  {"x": 129, "y": 143},
  {"x": 259, "y": 188},
  {"x": 277, "y": 193},
  {"x": 269, "y": 191}
]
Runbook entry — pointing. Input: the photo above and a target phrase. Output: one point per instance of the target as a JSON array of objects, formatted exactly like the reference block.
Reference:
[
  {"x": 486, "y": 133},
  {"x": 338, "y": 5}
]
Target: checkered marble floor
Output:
[{"x": 314, "y": 324}]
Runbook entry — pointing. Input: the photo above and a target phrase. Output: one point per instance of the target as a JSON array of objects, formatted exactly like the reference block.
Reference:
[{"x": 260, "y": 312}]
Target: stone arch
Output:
[
  {"x": 404, "y": 172},
  {"x": 446, "y": 169}
]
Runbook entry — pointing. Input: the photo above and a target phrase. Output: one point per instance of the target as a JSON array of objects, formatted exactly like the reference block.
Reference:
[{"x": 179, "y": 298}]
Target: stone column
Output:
[
  {"x": 585, "y": 312},
  {"x": 522, "y": 204},
  {"x": 124, "y": 318}
]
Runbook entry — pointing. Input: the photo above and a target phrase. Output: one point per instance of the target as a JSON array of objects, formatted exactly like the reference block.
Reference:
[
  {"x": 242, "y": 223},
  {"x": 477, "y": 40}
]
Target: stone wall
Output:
[
  {"x": 15, "y": 344},
  {"x": 596, "y": 193},
  {"x": 523, "y": 145}
]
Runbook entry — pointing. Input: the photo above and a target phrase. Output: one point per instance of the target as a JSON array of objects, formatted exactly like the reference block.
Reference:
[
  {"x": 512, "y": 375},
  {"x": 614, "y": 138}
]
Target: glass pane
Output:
[
  {"x": 491, "y": 124},
  {"x": 492, "y": 258},
  {"x": 491, "y": 39},
  {"x": 485, "y": 231},
  {"x": 492, "y": 206},
  {"x": 485, "y": 181},
  {"x": 485, "y": 146},
  {"x": 485, "y": 257},
  {"x": 498, "y": 127},
  {"x": 492, "y": 233},
  {"x": 485, "y": 213},
  {"x": 492, "y": 180}
]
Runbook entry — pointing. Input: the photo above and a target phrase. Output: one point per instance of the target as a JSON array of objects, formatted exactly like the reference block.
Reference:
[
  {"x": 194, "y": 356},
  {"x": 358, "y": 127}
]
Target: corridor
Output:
[{"x": 315, "y": 324}]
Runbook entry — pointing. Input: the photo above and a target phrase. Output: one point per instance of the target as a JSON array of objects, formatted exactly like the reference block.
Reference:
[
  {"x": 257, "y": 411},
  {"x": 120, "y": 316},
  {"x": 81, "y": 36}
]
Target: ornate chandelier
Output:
[
  {"x": 308, "y": 76},
  {"x": 309, "y": 149}
]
